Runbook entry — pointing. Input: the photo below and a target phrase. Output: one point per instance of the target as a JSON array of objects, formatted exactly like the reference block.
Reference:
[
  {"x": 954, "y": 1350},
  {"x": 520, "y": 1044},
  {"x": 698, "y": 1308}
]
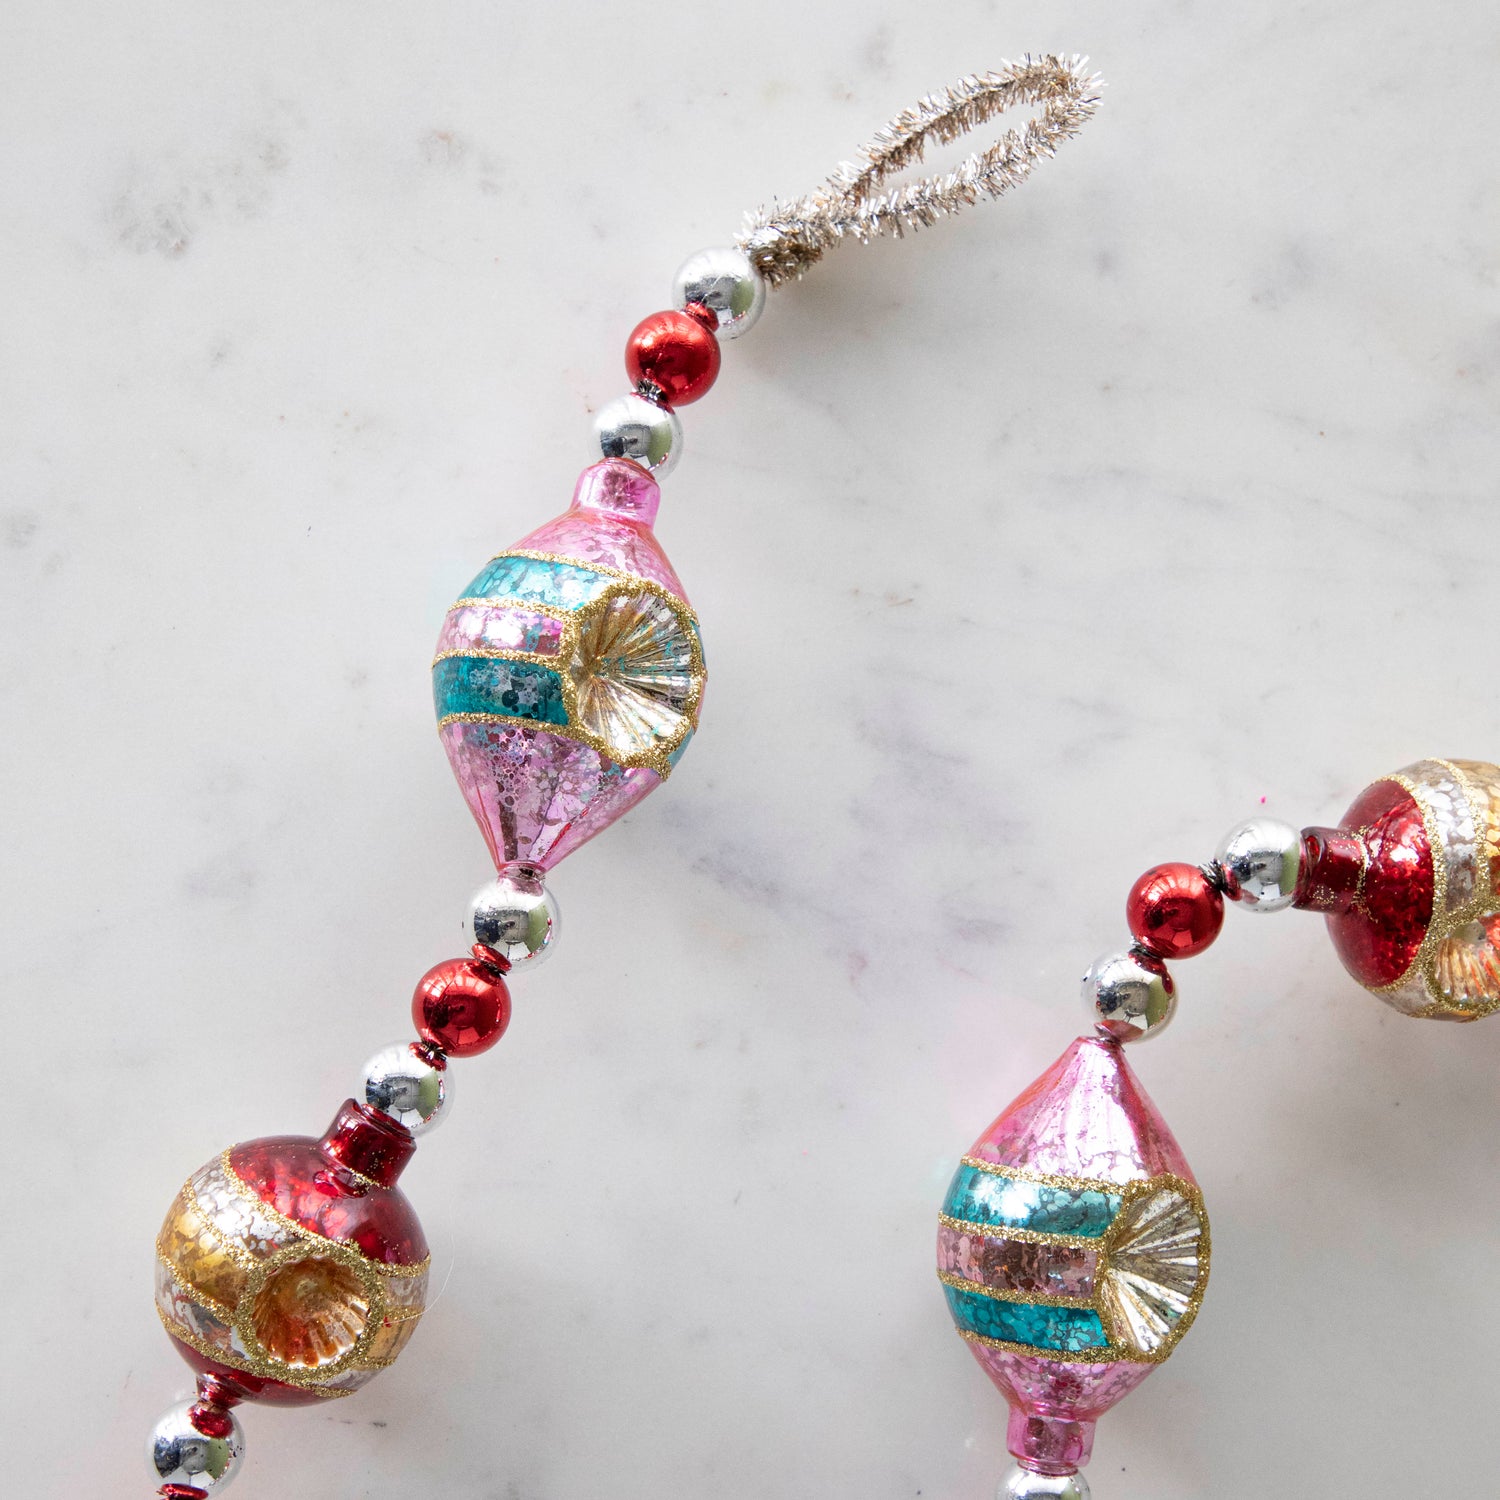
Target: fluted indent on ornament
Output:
[
  {"x": 1073, "y": 1249},
  {"x": 1421, "y": 930},
  {"x": 311, "y": 1311},
  {"x": 1153, "y": 1261},
  {"x": 633, "y": 674}
]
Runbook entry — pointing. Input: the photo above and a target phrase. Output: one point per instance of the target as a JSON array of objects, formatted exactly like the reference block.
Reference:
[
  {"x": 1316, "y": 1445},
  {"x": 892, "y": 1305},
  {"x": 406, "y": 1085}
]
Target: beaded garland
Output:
[
  {"x": 567, "y": 680},
  {"x": 1073, "y": 1244}
]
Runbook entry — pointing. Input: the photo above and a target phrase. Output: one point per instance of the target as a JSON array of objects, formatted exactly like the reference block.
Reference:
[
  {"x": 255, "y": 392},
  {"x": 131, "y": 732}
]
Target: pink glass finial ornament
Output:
[
  {"x": 1073, "y": 1248},
  {"x": 568, "y": 677}
]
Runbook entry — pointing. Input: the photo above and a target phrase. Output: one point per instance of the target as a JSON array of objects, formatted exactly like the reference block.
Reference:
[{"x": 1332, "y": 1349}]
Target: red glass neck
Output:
[{"x": 368, "y": 1143}]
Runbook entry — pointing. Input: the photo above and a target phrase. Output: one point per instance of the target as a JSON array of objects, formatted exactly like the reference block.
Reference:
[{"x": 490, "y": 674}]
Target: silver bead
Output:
[
  {"x": 1260, "y": 861},
  {"x": 179, "y": 1454},
  {"x": 637, "y": 428},
  {"x": 516, "y": 915},
  {"x": 1025, "y": 1484},
  {"x": 401, "y": 1084},
  {"x": 1128, "y": 999},
  {"x": 723, "y": 281}
]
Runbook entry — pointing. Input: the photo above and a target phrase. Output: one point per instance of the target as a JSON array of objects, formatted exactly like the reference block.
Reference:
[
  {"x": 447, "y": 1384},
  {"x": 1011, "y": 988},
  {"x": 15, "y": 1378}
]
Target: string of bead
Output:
[
  {"x": 672, "y": 357},
  {"x": 292, "y": 1268},
  {"x": 1176, "y": 911}
]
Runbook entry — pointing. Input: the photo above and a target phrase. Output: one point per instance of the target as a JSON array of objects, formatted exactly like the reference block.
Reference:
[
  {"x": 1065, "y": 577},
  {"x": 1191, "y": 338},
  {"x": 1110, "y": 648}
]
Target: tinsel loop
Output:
[{"x": 788, "y": 238}]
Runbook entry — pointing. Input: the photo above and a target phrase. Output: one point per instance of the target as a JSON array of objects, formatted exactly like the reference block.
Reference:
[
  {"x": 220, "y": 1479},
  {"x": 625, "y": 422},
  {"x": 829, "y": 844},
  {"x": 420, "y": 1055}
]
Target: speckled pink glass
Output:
[
  {"x": 1086, "y": 1118},
  {"x": 538, "y": 794},
  {"x": 609, "y": 525}
]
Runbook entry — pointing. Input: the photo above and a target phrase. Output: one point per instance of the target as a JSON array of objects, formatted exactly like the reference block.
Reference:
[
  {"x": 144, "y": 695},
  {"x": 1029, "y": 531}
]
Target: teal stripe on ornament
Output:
[
  {"x": 492, "y": 685},
  {"x": 530, "y": 580},
  {"x": 1014, "y": 1203},
  {"x": 1065, "y": 1330}
]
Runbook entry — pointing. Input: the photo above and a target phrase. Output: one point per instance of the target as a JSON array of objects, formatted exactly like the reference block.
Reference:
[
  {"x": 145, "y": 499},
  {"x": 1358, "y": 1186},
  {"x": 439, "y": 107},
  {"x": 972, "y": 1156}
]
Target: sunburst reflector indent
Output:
[
  {"x": 1154, "y": 1268},
  {"x": 1466, "y": 965},
  {"x": 311, "y": 1312},
  {"x": 634, "y": 674}
]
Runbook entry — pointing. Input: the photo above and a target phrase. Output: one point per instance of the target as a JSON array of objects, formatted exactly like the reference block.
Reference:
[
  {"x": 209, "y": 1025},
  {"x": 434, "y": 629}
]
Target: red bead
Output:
[
  {"x": 462, "y": 1006},
  {"x": 674, "y": 352},
  {"x": 181, "y": 1492},
  {"x": 1173, "y": 911}
]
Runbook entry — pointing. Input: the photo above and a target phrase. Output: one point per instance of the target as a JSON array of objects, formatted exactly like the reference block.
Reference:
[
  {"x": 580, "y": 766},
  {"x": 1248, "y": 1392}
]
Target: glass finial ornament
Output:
[
  {"x": 1073, "y": 1245},
  {"x": 569, "y": 674},
  {"x": 568, "y": 682},
  {"x": 1410, "y": 880},
  {"x": 1073, "y": 1248}
]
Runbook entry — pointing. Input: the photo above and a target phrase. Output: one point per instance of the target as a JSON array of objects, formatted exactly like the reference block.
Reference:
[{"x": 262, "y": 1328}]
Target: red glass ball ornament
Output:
[
  {"x": 1173, "y": 911},
  {"x": 462, "y": 1005},
  {"x": 674, "y": 352},
  {"x": 285, "y": 1272}
]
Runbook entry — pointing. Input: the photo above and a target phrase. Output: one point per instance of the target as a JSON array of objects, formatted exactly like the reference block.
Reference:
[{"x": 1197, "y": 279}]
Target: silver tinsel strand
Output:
[{"x": 788, "y": 238}]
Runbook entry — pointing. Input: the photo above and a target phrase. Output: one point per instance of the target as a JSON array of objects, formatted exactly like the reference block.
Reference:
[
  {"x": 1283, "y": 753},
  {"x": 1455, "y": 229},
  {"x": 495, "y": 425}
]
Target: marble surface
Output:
[{"x": 1029, "y": 552}]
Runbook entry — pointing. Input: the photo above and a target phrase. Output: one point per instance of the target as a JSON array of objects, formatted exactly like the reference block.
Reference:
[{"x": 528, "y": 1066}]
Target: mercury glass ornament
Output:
[
  {"x": 1410, "y": 881},
  {"x": 1073, "y": 1249},
  {"x": 292, "y": 1268},
  {"x": 569, "y": 676}
]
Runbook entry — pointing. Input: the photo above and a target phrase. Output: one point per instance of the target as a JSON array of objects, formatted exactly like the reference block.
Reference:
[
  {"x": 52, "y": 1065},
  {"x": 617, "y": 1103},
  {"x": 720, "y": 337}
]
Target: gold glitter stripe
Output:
[
  {"x": 230, "y": 1359},
  {"x": 1058, "y": 1356},
  {"x": 497, "y": 601},
  {"x": 1071, "y": 1184},
  {"x": 403, "y": 1314},
  {"x": 236, "y": 1250},
  {"x": 502, "y": 653},
  {"x": 190, "y": 1293},
  {"x": 1024, "y": 1299},
  {"x": 1439, "y": 877},
  {"x": 1025, "y": 1236},
  {"x": 413, "y": 1268}
]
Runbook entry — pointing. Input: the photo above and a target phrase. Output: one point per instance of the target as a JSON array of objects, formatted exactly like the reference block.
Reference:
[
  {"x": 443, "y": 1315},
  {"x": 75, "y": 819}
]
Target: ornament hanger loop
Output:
[{"x": 785, "y": 240}]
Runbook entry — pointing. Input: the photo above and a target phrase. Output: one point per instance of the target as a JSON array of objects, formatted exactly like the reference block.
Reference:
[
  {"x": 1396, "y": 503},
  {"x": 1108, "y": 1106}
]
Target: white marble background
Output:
[{"x": 1029, "y": 552}]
